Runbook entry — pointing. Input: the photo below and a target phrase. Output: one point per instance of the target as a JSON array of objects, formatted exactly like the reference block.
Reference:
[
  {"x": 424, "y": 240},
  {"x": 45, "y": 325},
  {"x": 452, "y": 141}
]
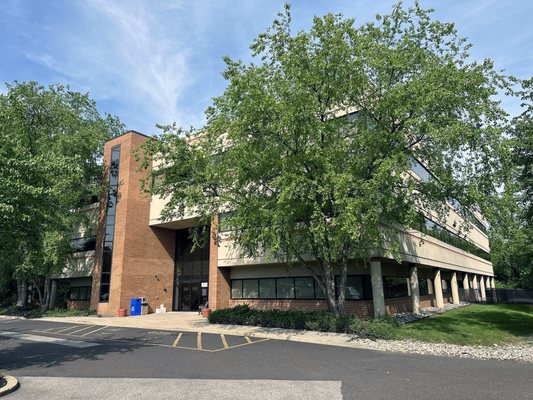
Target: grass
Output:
[
  {"x": 478, "y": 324},
  {"x": 38, "y": 313}
]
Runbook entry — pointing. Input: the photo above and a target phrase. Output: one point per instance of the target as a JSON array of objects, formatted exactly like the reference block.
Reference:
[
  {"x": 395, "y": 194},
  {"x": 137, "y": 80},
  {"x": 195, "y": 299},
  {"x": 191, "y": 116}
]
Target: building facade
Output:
[{"x": 139, "y": 255}]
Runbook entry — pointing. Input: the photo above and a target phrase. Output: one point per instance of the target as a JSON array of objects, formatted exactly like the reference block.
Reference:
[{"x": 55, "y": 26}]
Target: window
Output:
[
  {"x": 267, "y": 288},
  {"x": 423, "y": 287},
  {"x": 236, "y": 289},
  {"x": 112, "y": 196},
  {"x": 460, "y": 283},
  {"x": 224, "y": 221},
  {"x": 471, "y": 216},
  {"x": 420, "y": 170},
  {"x": 82, "y": 293},
  {"x": 250, "y": 289},
  {"x": 319, "y": 293},
  {"x": 395, "y": 287},
  {"x": 83, "y": 244},
  {"x": 285, "y": 288},
  {"x": 304, "y": 288},
  {"x": 354, "y": 288}
]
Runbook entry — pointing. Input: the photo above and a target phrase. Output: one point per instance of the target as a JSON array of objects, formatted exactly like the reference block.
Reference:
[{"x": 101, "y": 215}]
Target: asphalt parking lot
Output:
[
  {"x": 56, "y": 360},
  {"x": 199, "y": 341}
]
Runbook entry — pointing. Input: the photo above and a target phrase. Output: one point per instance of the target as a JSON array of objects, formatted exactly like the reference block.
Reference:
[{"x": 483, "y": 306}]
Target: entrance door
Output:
[{"x": 191, "y": 296}]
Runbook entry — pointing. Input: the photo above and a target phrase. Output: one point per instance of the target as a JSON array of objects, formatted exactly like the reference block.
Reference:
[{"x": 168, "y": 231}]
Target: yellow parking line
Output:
[
  {"x": 240, "y": 345},
  {"x": 223, "y": 338},
  {"x": 66, "y": 329},
  {"x": 82, "y": 329},
  {"x": 248, "y": 339},
  {"x": 96, "y": 330},
  {"x": 177, "y": 340},
  {"x": 199, "y": 341}
]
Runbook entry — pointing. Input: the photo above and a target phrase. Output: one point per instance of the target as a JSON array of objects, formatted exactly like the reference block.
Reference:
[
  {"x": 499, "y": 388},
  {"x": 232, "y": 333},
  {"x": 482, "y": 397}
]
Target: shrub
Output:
[{"x": 384, "y": 328}]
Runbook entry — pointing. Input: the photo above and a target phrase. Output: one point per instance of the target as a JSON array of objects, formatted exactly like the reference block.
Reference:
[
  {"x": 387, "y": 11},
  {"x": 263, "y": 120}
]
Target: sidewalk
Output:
[{"x": 192, "y": 322}]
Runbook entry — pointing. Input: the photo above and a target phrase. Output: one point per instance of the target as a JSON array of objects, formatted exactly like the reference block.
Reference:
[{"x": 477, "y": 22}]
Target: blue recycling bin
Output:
[{"x": 135, "y": 306}]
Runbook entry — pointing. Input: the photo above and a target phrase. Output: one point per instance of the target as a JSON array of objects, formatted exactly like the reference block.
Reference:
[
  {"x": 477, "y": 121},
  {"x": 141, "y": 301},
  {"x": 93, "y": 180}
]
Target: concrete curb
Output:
[
  {"x": 11, "y": 385},
  {"x": 11, "y": 317}
]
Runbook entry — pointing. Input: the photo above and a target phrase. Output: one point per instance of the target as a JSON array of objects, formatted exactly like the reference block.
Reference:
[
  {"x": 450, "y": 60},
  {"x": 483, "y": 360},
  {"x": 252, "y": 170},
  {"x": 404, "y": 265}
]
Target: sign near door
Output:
[{"x": 204, "y": 284}]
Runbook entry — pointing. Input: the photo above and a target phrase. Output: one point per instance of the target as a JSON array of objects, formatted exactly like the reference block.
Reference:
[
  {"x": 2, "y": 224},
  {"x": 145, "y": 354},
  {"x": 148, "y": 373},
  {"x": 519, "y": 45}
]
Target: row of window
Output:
[
  {"x": 424, "y": 174},
  {"x": 358, "y": 287},
  {"x": 472, "y": 218},
  {"x": 81, "y": 293},
  {"x": 437, "y": 231}
]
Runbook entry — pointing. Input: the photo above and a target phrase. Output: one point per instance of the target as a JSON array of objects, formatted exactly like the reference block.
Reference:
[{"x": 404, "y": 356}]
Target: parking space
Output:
[{"x": 198, "y": 341}]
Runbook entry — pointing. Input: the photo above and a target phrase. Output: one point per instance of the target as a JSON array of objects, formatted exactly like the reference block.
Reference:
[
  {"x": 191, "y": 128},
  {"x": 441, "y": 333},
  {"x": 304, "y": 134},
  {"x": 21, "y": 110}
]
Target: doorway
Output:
[
  {"x": 191, "y": 274},
  {"x": 192, "y": 296}
]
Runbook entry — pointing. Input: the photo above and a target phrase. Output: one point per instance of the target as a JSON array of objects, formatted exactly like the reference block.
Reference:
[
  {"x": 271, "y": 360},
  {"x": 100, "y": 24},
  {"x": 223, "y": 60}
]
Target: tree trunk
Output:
[
  {"x": 342, "y": 285},
  {"x": 22, "y": 293},
  {"x": 47, "y": 284},
  {"x": 41, "y": 303},
  {"x": 330, "y": 293},
  {"x": 53, "y": 291}
]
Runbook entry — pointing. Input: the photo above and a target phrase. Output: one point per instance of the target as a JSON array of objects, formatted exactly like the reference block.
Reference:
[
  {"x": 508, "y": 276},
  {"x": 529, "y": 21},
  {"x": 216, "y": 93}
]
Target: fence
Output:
[{"x": 511, "y": 296}]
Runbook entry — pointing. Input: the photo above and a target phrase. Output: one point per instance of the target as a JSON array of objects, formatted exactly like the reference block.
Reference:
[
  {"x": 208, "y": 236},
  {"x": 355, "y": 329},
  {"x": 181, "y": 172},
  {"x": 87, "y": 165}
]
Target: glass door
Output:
[{"x": 191, "y": 274}]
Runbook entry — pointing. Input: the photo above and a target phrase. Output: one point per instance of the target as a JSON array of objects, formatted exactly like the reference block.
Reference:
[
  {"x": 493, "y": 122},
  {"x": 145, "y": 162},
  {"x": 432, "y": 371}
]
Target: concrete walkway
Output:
[{"x": 192, "y": 322}]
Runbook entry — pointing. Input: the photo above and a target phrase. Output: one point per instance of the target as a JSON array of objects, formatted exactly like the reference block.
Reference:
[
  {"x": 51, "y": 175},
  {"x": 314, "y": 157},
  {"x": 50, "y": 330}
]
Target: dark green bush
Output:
[{"x": 384, "y": 328}]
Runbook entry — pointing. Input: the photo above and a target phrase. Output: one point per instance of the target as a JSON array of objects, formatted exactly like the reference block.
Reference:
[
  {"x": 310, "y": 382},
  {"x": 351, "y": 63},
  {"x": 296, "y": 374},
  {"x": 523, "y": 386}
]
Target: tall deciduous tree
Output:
[
  {"x": 51, "y": 142},
  {"x": 310, "y": 146},
  {"x": 512, "y": 244}
]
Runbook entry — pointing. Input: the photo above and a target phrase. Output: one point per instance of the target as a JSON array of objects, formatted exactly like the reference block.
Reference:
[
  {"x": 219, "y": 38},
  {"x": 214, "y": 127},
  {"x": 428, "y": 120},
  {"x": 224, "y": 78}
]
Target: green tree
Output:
[
  {"x": 310, "y": 146},
  {"x": 512, "y": 241},
  {"x": 51, "y": 142}
]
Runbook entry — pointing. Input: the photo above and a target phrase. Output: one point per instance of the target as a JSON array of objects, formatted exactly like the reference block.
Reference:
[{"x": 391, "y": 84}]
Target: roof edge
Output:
[{"x": 127, "y": 133}]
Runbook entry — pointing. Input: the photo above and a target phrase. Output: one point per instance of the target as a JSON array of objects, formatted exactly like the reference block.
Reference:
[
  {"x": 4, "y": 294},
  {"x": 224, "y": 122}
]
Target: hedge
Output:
[{"x": 384, "y": 328}]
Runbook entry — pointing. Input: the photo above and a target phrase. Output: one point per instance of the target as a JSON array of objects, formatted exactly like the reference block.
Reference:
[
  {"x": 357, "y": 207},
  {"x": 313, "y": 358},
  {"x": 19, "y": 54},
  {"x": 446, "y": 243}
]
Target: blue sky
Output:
[{"x": 160, "y": 61}]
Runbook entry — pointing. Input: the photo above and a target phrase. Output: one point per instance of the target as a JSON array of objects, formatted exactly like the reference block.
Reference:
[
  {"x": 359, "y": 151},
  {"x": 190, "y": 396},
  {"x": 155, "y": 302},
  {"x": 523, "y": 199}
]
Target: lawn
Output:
[{"x": 478, "y": 324}]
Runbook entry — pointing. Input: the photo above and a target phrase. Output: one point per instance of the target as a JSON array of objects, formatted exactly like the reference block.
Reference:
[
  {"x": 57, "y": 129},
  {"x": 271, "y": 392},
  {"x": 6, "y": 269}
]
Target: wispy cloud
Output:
[{"x": 125, "y": 54}]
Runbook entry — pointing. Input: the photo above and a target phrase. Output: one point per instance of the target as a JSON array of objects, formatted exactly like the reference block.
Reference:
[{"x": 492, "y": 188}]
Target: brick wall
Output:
[{"x": 143, "y": 257}]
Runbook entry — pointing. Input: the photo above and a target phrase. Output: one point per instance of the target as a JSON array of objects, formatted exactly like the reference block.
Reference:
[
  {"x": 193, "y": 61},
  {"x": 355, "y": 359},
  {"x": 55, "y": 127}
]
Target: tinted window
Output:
[
  {"x": 236, "y": 289},
  {"x": 267, "y": 288},
  {"x": 304, "y": 288},
  {"x": 285, "y": 288},
  {"x": 395, "y": 286},
  {"x": 250, "y": 289}
]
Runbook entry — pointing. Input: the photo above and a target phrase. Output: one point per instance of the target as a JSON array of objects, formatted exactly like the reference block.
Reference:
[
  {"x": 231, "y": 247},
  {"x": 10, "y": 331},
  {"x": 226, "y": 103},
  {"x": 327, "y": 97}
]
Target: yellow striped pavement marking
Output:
[
  {"x": 199, "y": 341},
  {"x": 248, "y": 339},
  {"x": 177, "y": 340},
  {"x": 223, "y": 338}
]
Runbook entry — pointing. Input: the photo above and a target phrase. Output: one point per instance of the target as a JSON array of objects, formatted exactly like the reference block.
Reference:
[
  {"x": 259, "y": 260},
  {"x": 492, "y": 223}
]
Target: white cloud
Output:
[{"x": 121, "y": 50}]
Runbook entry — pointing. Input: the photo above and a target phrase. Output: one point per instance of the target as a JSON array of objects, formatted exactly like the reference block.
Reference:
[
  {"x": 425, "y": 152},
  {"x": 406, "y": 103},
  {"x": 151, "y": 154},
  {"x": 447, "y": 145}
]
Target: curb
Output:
[
  {"x": 11, "y": 317},
  {"x": 11, "y": 385}
]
